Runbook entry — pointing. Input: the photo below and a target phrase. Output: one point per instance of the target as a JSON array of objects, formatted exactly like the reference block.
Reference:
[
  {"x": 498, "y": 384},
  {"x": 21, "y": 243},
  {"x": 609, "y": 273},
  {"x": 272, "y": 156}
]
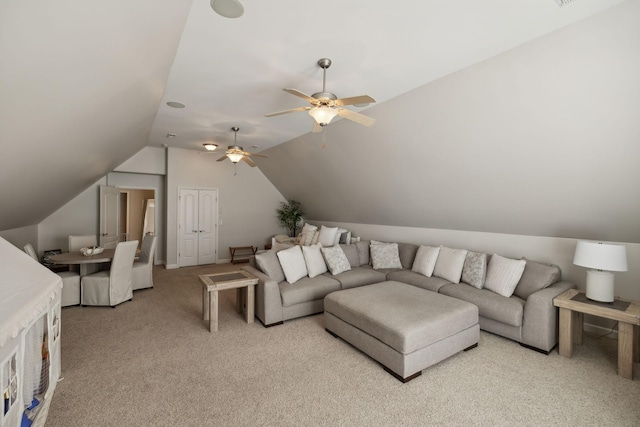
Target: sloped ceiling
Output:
[
  {"x": 541, "y": 140},
  {"x": 84, "y": 85}
]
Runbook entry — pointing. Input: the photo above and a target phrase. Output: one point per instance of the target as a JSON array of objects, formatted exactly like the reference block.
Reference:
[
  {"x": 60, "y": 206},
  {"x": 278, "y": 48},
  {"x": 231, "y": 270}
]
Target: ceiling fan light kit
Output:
[
  {"x": 210, "y": 147},
  {"x": 326, "y": 105},
  {"x": 228, "y": 8},
  {"x": 235, "y": 153}
]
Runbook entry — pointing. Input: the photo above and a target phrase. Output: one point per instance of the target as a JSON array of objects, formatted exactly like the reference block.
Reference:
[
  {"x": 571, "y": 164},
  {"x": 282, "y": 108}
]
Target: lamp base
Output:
[{"x": 600, "y": 285}]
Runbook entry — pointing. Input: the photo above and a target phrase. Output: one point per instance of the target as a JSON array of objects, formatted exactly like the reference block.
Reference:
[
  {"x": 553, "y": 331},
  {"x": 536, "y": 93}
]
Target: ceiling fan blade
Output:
[
  {"x": 221, "y": 158},
  {"x": 362, "y": 99},
  {"x": 248, "y": 161},
  {"x": 316, "y": 127},
  {"x": 246, "y": 153},
  {"x": 299, "y": 94},
  {"x": 293, "y": 110},
  {"x": 356, "y": 117}
]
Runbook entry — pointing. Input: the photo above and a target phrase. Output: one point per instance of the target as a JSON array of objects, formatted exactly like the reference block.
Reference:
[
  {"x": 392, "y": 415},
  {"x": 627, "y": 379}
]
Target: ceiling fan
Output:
[
  {"x": 235, "y": 153},
  {"x": 325, "y": 105}
]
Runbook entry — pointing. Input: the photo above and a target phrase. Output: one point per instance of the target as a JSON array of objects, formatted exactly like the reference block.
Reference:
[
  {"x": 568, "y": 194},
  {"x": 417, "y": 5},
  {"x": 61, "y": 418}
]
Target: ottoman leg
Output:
[{"x": 400, "y": 378}]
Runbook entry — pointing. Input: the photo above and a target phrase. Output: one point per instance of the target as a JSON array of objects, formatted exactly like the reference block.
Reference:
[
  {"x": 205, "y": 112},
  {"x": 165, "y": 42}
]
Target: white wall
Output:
[
  {"x": 21, "y": 236},
  {"x": 247, "y": 201},
  {"x": 149, "y": 160}
]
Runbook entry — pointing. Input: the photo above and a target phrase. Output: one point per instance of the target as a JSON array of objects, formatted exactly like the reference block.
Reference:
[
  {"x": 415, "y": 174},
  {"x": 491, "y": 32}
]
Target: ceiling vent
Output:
[{"x": 564, "y": 2}]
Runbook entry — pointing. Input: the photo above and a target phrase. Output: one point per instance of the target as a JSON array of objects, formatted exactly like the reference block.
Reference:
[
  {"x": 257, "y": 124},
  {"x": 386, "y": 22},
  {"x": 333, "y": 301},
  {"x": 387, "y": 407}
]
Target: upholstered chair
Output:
[
  {"x": 110, "y": 288},
  {"x": 143, "y": 268},
  {"x": 83, "y": 241},
  {"x": 70, "y": 281}
]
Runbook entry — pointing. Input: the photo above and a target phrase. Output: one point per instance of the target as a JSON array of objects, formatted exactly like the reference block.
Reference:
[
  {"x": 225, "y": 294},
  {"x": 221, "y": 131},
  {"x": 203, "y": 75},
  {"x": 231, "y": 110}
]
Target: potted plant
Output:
[{"x": 289, "y": 215}]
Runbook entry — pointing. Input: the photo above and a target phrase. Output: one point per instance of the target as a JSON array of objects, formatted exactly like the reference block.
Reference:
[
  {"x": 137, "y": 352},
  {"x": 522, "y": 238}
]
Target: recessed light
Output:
[
  {"x": 171, "y": 135},
  {"x": 228, "y": 8},
  {"x": 210, "y": 147},
  {"x": 175, "y": 104}
]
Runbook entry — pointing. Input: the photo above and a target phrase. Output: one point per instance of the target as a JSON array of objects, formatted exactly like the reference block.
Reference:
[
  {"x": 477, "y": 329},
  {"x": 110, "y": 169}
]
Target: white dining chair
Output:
[
  {"x": 110, "y": 288},
  {"x": 143, "y": 268},
  {"x": 77, "y": 242},
  {"x": 70, "y": 281}
]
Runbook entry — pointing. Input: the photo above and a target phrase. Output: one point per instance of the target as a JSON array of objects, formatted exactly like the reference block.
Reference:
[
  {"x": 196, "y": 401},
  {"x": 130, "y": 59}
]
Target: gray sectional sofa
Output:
[{"x": 532, "y": 321}]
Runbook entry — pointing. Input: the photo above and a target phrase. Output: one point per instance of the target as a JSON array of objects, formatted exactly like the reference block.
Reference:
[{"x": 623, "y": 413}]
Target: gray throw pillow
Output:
[
  {"x": 351, "y": 251},
  {"x": 535, "y": 277},
  {"x": 268, "y": 263}
]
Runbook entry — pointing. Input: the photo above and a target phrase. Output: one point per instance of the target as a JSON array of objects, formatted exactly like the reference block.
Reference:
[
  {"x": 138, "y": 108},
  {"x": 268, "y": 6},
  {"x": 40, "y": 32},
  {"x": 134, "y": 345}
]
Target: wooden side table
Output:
[
  {"x": 241, "y": 253},
  {"x": 573, "y": 305},
  {"x": 213, "y": 283}
]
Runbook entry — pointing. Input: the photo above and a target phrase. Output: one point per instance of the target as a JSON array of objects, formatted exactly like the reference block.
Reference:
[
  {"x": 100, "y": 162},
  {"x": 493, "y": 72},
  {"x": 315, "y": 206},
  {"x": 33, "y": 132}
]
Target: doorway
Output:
[{"x": 125, "y": 214}]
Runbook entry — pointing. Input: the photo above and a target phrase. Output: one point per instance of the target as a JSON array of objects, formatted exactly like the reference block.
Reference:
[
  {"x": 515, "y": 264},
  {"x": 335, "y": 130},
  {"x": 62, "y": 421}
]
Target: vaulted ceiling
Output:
[{"x": 84, "y": 85}]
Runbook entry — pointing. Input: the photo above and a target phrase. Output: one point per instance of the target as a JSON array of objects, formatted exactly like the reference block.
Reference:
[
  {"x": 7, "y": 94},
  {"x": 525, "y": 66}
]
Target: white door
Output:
[
  {"x": 208, "y": 219},
  {"x": 109, "y": 216},
  {"x": 197, "y": 227}
]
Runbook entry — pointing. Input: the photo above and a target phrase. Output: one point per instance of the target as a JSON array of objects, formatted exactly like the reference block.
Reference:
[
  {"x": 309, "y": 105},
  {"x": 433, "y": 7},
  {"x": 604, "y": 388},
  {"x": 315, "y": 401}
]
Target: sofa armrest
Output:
[
  {"x": 268, "y": 299},
  {"x": 540, "y": 323}
]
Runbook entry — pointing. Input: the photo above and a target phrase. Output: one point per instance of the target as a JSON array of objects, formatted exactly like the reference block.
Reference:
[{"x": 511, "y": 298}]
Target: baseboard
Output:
[
  {"x": 171, "y": 266},
  {"x": 223, "y": 261},
  {"x": 600, "y": 330}
]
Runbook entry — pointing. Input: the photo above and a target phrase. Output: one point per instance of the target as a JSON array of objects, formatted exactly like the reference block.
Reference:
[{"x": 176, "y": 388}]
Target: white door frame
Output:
[{"x": 179, "y": 217}]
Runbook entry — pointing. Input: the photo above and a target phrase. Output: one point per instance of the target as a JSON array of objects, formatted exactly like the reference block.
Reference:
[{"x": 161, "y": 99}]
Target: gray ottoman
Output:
[{"x": 404, "y": 328}]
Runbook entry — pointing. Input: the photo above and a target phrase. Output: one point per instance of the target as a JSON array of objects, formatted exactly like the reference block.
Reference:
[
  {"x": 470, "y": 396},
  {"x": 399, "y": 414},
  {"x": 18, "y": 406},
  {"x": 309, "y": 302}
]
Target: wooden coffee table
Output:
[
  {"x": 573, "y": 305},
  {"x": 213, "y": 283}
]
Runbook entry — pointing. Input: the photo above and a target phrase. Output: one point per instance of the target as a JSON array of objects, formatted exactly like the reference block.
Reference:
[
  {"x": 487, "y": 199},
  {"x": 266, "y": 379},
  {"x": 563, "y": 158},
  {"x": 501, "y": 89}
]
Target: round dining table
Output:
[{"x": 76, "y": 258}]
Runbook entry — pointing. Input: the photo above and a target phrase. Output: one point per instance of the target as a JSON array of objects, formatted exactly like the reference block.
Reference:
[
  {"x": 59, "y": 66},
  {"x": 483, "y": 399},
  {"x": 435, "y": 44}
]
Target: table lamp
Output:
[{"x": 601, "y": 259}]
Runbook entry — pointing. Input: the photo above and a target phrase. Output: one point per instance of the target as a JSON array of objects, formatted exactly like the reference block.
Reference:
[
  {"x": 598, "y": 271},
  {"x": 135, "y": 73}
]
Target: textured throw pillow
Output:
[
  {"x": 503, "y": 275},
  {"x": 268, "y": 263},
  {"x": 384, "y": 255},
  {"x": 425, "y": 260},
  {"x": 336, "y": 259},
  {"x": 314, "y": 260},
  {"x": 306, "y": 234},
  {"x": 314, "y": 239},
  {"x": 449, "y": 264},
  {"x": 536, "y": 276},
  {"x": 345, "y": 238},
  {"x": 327, "y": 236},
  {"x": 293, "y": 265},
  {"x": 475, "y": 269}
]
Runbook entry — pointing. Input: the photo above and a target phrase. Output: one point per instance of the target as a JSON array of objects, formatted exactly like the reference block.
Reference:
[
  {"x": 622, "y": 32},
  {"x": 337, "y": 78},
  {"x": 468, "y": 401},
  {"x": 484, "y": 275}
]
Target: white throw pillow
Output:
[
  {"x": 503, "y": 275},
  {"x": 292, "y": 263},
  {"x": 314, "y": 239},
  {"x": 327, "y": 236},
  {"x": 314, "y": 260},
  {"x": 449, "y": 264},
  {"x": 336, "y": 259},
  {"x": 384, "y": 255},
  {"x": 425, "y": 260}
]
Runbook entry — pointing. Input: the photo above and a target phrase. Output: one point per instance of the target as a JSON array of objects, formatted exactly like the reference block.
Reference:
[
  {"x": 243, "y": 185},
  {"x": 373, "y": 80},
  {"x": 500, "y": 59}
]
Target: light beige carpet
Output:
[{"x": 153, "y": 362}]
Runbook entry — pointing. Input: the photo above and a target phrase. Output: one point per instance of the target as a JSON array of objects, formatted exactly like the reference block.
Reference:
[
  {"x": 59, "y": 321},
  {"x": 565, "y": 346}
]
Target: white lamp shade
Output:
[
  {"x": 601, "y": 256},
  {"x": 234, "y": 157},
  {"x": 323, "y": 115}
]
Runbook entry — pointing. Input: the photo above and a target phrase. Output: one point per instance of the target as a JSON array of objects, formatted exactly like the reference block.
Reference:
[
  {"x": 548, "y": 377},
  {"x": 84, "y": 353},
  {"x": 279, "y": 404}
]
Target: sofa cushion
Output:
[
  {"x": 503, "y": 275},
  {"x": 268, "y": 263},
  {"x": 490, "y": 305},
  {"x": 351, "y": 251},
  {"x": 474, "y": 270},
  {"x": 425, "y": 260},
  {"x": 293, "y": 265},
  {"x": 307, "y": 289},
  {"x": 416, "y": 279},
  {"x": 449, "y": 264},
  {"x": 314, "y": 260},
  {"x": 384, "y": 255},
  {"x": 327, "y": 236},
  {"x": 336, "y": 260},
  {"x": 536, "y": 276},
  {"x": 306, "y": 235},
  {"x": 363, "y": 252},
  {"x": 359, "y": 277}
]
